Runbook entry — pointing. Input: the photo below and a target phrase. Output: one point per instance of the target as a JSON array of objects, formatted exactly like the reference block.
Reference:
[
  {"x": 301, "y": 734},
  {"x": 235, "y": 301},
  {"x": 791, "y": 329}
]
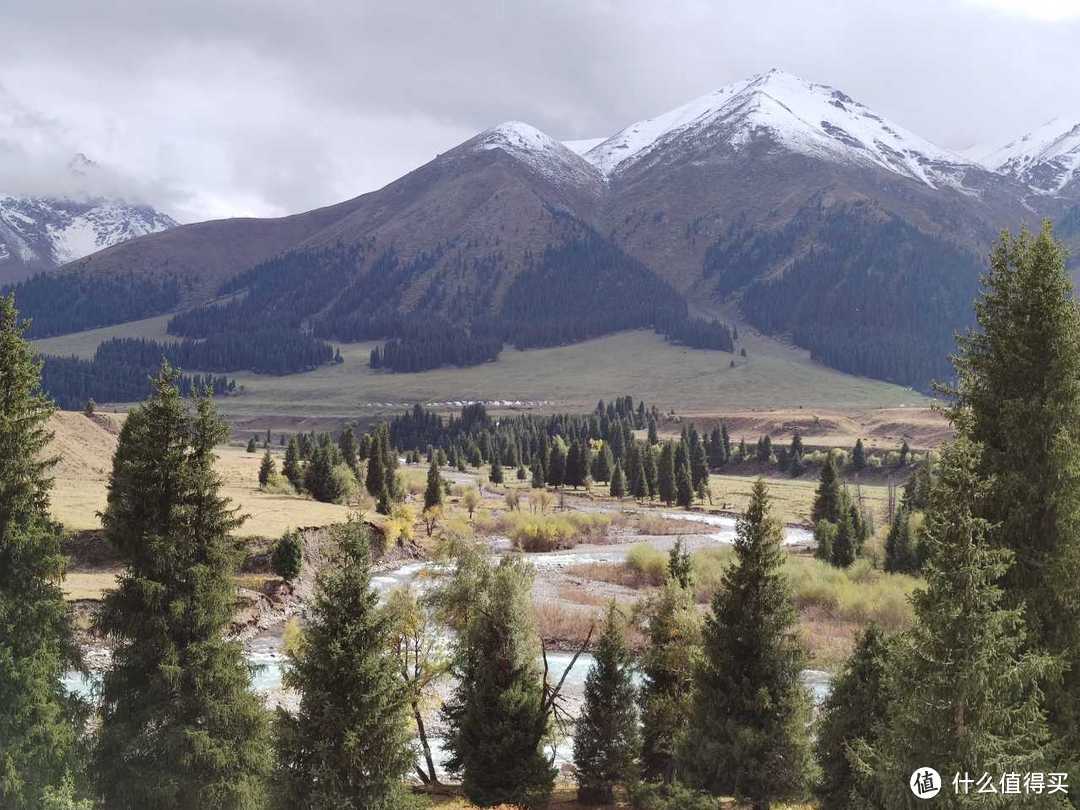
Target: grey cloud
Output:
[{"x": 212, "y": 108}]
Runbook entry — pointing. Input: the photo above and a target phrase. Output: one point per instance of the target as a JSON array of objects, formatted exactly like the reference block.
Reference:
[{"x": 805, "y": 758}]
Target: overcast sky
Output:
[{"x": 212, "y": 108}]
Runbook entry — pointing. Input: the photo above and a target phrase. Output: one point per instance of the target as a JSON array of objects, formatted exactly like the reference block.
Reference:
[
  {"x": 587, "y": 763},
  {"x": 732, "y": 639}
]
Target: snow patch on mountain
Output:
[
  {"x": 808, "y": 118},
  {"x": 545, "y": 155},
  {"x": 580, "y": 147},
  {"x": 1046, "y": 159},
  {"x": 50, "y": 232}
]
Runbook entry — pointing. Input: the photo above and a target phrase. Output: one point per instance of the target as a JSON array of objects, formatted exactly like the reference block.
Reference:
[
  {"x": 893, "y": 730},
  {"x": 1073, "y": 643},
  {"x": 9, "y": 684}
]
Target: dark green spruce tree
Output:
[
  {"x": 291, "y": 467},
  {"x": 827, "y": 498},
  {"x": 349, "y": 452},
  {"x": 966, "y": 697},
  {"x": 1018, "y": 396},
  {"x": 858, "y": 456},
  {"x": 639, "y": 486},
  {"x": 843, "y": 543},
  {"x": 39, "y": 723},
  {"x": 433, "y": 494},
  {"x": 375, "y": 481},
  {"x": 347, "y": 748},
  {"x": 665, "y": 475},
  {"x": 266, "y": 469},
  {"x": 673, "y": 636},
  {"x": 746, "y": 735},
  {"x": 648, "y": 460},
  {"x": 497, "y": 719},
  {"x": 537, "y": 475},
  {"x": 852, "y": 718},
  {"x": 617, "y": 489},
  {"x": 684, "y": 487},
  {"x": 606, "y": 738},
  {"x": 179, "y": 726}
]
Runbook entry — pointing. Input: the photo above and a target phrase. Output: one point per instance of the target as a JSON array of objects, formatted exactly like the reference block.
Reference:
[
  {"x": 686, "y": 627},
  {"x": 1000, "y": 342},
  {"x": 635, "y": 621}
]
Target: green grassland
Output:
[
  {"x": 639, "y": 363},
  {"x": 84, "y": 344}
]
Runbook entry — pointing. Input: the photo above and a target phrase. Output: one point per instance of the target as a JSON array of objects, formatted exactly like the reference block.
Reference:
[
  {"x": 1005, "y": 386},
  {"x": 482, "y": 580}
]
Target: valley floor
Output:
[{"x": 569, "y": 378}]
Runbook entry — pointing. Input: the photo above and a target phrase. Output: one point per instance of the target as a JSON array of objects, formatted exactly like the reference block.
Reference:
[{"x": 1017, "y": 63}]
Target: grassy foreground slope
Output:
[{"x": 85, "y": 447}]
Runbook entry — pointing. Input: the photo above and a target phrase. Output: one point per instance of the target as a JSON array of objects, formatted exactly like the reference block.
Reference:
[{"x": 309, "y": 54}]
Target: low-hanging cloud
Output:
[{"x": 224, "y": 107}]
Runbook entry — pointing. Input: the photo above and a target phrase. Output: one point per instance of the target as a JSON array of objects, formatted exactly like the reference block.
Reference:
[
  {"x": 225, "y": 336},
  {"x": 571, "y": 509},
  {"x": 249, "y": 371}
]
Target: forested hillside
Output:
[{"x": 864, "y": 291}]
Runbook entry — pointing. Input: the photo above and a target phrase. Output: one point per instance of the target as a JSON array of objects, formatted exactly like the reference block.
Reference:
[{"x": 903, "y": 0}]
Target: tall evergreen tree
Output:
[
  {"x": 267, "y": 468},
  {"x": 348, "y": 745},
  {"x": 1018, "y": 395},
  {"x": 606, "y": 737},
  {"x": 39, "y": 724},
  {"x": 585, "y": 462},
  {"x": 537, "y": 474},
  {"x": 574, "y": 475},
  {"x": 699, "y": 464},
  {"x": 319, "y": 478},
  {"x": 375, "y": 481},
  {"x": 684, "y": 488},
  {"x": 496, "y": 717},
  {"x": 603, "y": 465},
  {"x": 618, "y": 483},
  {"x": 347, "y": 448},
  {"x": 638, "y": 486},
  {"x": 179, "y": 726},
  {"x": 665, "y": 474},
  {"x": 291, "y": 466},
  {"x": 853, "y": 717},
  {"x": 556, "y": 472},
  {"x": 433, "y": 495},
  {"x": 747, "y": 734},
  {"x": 680, "y": 567},
  {"x": 827, "y": 497},
  {"x": 901, "y": 547},
  {"x": 843, "y": 544},
  {"x": 673, "y": 636},
  {"x": 858, "y": 456},
  {"x": 648, "y": 460},
  {"x": 391, "y": 479},
  {"x": 716, "y": 449},
  {"x": 495, "y": 475},
  {"x": 976, "y": 702}
]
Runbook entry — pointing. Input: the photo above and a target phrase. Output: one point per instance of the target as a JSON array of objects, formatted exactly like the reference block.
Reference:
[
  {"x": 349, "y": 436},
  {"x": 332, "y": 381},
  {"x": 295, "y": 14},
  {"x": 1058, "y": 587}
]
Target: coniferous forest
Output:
[{"x": 719, "y": 708}]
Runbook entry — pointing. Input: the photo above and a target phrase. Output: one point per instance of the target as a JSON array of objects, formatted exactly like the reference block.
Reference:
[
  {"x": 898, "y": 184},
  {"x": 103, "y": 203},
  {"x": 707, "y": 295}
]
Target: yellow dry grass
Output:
[
  {"x": 86, "y": 446},
  {"x": 791, "y": 499},
  {"x": 79, "y": 585}
]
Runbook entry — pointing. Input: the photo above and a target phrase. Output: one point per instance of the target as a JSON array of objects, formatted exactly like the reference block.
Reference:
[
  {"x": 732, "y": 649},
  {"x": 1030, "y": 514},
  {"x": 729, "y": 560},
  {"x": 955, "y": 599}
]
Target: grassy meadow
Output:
[{"x": 572, "y": 377}]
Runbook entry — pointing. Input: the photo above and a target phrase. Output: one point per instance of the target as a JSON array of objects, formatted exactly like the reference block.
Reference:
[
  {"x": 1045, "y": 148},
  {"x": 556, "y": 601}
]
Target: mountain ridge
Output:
[{"x": 718, "y": 199}]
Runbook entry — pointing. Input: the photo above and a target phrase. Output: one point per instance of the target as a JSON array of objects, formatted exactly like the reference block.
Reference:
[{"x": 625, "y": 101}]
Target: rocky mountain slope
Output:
[
  {"x": 785, "y": 200},
  {"x": 1046, "y": 159}
]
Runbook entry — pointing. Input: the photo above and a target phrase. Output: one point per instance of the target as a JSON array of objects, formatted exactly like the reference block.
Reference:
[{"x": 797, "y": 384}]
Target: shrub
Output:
[
  {"x": 345, "y": 483},
  {"x": 287, "y": 558},
  {"x": 532, "y": 532},
  {"x": 278, "y": 484},
  {"x": 708, "y": 566},
  {"x": 399, "y": 528},
  {"x": 648, "y": 796},
  {"x": 858, "y": 594},
  {"x": 649, "y": 563}
]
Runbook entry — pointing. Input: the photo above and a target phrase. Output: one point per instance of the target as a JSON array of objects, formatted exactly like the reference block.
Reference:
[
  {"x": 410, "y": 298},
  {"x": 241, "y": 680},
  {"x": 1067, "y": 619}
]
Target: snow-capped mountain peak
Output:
[
  {"x": 1046, "y": 159},
  {"x": 802, "y": 116},
  {"x": 541, "y": 152},
  {"x": 38, "y": 233}
]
